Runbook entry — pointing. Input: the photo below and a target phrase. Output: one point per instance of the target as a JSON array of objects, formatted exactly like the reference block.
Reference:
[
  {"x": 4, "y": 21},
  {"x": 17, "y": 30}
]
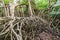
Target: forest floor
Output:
[{"x": 29, "y": 28}]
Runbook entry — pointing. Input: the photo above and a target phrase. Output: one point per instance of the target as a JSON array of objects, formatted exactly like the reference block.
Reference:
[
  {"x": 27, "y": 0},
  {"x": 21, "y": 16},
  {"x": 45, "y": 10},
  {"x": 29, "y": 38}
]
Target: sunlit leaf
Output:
[
  {"x": 41, "y": 4},
  {"x": 6, "y": 1}
]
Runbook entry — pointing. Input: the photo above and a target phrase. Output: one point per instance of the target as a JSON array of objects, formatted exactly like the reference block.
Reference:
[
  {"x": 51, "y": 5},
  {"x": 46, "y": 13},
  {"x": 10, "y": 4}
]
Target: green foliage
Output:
[
  {"x": 6, "y": 1},
  {"x": 55, "y": 13},
  {"x": 56, "y": 10},
  {"x": 52, "y": 2},
  {"x": 41, "y": 4},
  {"x": 57, "y": 4},
  {"x": 23, "y": 2}
]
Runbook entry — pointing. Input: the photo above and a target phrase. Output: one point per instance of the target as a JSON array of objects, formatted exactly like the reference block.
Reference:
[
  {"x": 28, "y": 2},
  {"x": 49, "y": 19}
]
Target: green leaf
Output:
[
  {"x": 41, "y": 4},
  {"x": 55, "y": 12},
  {"x": 6, "y": 1},
  {"x": 57, "y": 4},
  {"x": 23, "y": 2}
]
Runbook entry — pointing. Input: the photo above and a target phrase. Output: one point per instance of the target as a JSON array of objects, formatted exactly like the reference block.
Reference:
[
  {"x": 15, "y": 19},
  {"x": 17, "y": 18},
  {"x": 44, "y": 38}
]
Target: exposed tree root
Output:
[{"x": 28, "y": 28}]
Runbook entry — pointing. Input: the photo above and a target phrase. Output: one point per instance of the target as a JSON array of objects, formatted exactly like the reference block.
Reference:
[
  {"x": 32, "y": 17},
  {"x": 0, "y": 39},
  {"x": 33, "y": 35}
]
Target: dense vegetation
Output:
[{"x": 29, "y": 19}]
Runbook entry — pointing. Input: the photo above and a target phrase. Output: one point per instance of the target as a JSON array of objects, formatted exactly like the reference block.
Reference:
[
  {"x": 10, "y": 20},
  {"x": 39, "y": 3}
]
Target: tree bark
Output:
[
  {"x": 12, "y": 7},
  {"x": 30, "y": 8}
]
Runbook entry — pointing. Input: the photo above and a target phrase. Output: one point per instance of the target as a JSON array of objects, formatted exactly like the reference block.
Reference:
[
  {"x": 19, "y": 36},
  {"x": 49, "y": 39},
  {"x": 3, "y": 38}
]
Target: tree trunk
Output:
[
  {"x": 12, "y": 7},
  {"x": 30, "y": 8}
]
